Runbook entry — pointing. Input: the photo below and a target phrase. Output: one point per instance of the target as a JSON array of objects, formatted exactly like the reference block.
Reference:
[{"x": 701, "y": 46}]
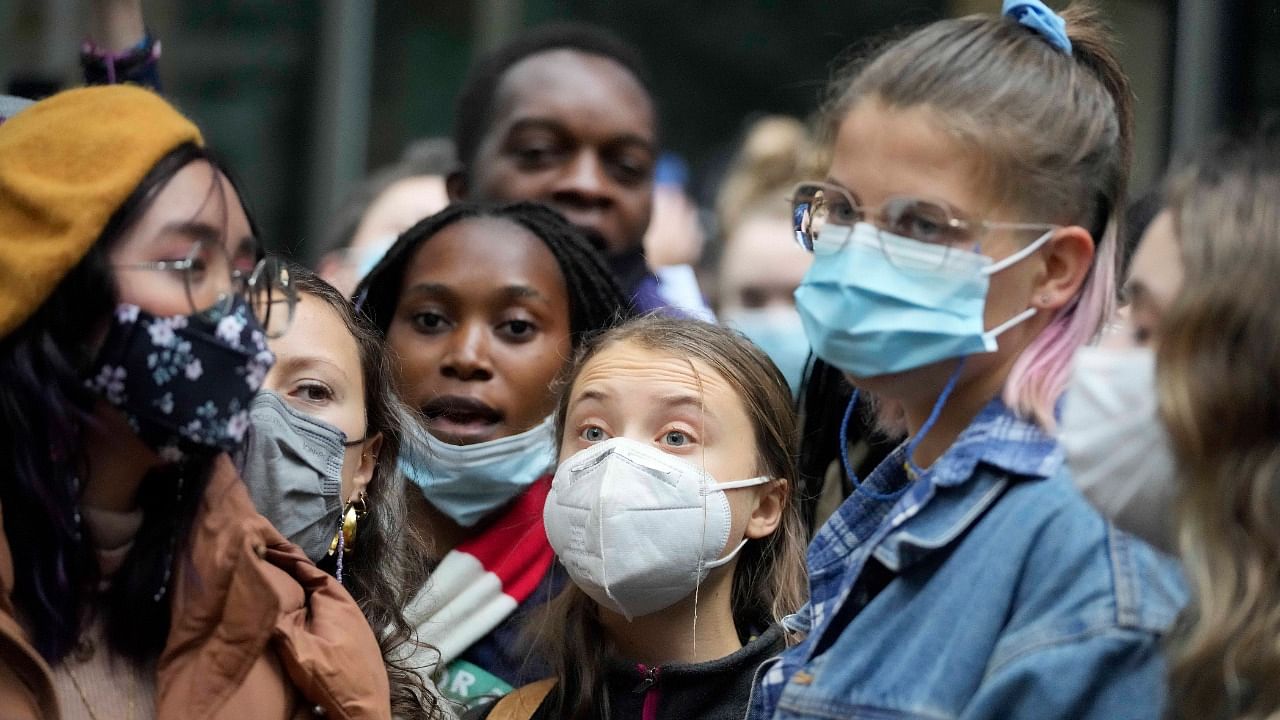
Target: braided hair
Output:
[
  {"x": 473, "y": 114},
  {"x": 596, "y": 300}
]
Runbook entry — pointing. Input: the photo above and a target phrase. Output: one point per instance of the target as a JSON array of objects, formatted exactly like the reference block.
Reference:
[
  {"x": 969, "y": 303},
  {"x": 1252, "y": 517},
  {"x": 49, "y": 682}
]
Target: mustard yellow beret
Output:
[{"x": 66, "y": 164}]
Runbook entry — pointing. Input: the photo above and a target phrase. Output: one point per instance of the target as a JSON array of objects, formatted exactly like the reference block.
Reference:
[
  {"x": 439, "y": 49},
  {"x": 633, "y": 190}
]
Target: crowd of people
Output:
[{"x": 947, "y": 453}]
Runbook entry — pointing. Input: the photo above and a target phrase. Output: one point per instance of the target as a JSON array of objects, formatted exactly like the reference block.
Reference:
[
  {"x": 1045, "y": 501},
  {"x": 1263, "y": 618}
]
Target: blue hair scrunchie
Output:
[{"x": 1041, "y": 18}]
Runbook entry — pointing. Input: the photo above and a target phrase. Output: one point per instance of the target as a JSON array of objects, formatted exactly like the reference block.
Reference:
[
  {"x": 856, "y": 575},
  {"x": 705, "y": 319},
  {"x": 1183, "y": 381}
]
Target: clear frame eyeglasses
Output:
[
  {"x": 817, "y": 205},
  {"x": 212, "y": 281}
]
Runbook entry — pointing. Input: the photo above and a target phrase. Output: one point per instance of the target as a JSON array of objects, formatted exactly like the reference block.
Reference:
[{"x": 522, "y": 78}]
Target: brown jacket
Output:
[{"x": 258, "y": 631}]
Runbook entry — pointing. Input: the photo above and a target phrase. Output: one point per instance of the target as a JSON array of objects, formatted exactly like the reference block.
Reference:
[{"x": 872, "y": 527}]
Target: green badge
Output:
[{"x": 465, "y": 683}]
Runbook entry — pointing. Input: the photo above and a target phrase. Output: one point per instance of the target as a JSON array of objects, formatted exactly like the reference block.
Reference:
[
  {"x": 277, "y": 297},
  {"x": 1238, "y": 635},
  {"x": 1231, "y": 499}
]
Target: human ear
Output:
[
  {"x": 766, "y": 512},
  {"x": 369, "y": 453},
  {"x": 455, "y": 186},
  {"x": 1068, "y": 257}
]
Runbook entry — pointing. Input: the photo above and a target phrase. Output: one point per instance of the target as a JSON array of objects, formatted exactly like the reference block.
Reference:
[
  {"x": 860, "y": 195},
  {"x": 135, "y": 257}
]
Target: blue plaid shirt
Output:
[{"x": 1004, "y": 474}]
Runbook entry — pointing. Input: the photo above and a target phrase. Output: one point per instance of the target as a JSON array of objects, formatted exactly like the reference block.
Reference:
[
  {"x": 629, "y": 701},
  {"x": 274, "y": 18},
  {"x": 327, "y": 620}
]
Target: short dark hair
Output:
[
  {"x": 596, "y": 300},
  {"x": 473, "y": 114}
]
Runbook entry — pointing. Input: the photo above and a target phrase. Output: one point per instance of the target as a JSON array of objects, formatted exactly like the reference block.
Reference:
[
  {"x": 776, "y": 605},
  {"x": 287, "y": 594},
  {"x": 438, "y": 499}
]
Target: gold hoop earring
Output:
[{"x": 345, "y": 538}]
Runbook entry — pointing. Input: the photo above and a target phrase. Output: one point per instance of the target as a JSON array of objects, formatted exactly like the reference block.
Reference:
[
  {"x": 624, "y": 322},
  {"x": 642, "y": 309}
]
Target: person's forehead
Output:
[
  {"x": 762, "y": 251},
  {"x": 1157, "y": 263},
  {"x": 198, "y": 192},
  {"x": 883, "y": 152},
  {"x": 580, "y": 90},
  {"x": 319, "y": 333},
  {"x": 635, "y": 376},
  {"x": 403, "y": 203},
  {"x": 487, "y": 252}
]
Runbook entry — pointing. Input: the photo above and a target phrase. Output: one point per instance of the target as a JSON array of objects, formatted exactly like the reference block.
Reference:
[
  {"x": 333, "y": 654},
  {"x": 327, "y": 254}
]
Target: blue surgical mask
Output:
[
  {"x": 778, "y": 332},
  {"x": 469, "y": 482},
  {"x": 869, "y": 315}
]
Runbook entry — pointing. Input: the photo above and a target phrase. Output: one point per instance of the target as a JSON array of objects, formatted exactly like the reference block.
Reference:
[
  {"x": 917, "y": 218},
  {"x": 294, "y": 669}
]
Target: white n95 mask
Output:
[
  {"x": 638, "y": 529},
  {"x": 1116, "y": 446}
]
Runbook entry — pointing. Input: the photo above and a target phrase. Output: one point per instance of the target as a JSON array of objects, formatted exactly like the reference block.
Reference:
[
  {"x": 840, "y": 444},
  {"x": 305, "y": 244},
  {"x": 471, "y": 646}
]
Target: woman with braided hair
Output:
[{"x": 483, "y": 306}]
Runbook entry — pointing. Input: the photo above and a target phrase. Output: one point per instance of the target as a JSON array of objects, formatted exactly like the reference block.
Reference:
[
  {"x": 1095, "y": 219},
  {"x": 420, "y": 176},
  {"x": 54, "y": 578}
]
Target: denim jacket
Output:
[{"x": 1005, "y": 595}]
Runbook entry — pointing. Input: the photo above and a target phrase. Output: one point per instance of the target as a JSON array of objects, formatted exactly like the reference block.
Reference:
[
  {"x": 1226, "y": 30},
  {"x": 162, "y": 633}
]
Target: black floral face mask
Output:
[{"x": 184, "y": 382}]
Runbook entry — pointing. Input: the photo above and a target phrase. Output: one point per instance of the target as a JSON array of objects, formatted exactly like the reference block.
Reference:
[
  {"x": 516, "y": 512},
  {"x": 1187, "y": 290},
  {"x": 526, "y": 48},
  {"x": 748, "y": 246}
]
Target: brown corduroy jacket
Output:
[{"x": 258, "y": 631}]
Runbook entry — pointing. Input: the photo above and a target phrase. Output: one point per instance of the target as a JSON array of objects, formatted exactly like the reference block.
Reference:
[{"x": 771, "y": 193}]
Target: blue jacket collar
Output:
[
  {"x": 999, "y": 438},
  {"x": 997, "y": 448}
]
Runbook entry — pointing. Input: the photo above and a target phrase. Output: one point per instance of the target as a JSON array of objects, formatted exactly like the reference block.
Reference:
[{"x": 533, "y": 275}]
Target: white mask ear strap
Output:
[
  {"x": 734, "y": 485},
  {"x": 750, "y": 482},
  {"x": 1018, "y": 319},
  {"x": 727, "y": 558},
  {"x": 1017, "y": 257}
]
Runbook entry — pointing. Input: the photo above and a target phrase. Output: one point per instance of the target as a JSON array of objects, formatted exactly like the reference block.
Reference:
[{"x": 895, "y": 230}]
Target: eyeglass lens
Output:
[
  {"x": 272, "y": 296},
  {"x": 213, "y": 279},
  {"x": 208, "y": 277}
]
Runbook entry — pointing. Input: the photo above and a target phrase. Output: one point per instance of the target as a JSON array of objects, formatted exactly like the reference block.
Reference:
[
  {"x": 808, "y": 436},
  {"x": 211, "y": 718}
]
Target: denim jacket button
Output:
[{"x": 802, "y": 678}]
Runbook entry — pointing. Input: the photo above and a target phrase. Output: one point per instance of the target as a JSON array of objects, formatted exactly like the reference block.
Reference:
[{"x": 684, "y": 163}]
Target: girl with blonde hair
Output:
[{"x": 1218, "y": 365}]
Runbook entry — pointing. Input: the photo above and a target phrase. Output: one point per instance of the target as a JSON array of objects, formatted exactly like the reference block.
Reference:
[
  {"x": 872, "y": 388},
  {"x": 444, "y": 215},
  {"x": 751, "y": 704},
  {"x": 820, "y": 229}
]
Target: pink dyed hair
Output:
[
  {"x": 1052, "y": 130},
  {"x": 1040, "y": 373}
]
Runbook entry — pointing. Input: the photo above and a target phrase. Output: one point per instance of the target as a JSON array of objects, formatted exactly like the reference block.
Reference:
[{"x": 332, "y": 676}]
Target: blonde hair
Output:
[
  {"x": 776, "y": 153},
  {"x": 1218, "y": 368}
]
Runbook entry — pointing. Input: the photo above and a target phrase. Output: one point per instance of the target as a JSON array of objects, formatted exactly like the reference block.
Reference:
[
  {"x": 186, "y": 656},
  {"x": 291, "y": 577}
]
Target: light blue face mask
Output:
[
  {"x": 367, "y": 257},
  {"x": 469, "y": 482},
  {"x": 778, "y": 332},
  {"x": 868, "y": 315}
]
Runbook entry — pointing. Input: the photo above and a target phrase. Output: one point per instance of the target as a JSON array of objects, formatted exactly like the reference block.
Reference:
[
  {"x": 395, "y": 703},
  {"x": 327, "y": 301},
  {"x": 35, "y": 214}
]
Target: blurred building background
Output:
[{"x": 302, "y": 97}]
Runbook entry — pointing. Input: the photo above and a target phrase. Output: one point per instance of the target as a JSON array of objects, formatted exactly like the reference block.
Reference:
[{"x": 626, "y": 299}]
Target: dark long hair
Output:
[
  {"x": 45, "y": 414},
  {"x": 596, "y": 301},
  {"x": 823, "y": 399},
  {"x": 375, "y": 568}
]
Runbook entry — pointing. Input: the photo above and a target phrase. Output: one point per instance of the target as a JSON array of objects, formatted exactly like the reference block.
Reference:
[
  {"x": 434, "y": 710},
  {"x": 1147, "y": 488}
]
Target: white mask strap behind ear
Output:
[
  {"x": 734, "y": 485},
  {"x": 1019, "y": 256},
  {"x": 707, "y": 490},
  {"x": 727, "y": 558}
]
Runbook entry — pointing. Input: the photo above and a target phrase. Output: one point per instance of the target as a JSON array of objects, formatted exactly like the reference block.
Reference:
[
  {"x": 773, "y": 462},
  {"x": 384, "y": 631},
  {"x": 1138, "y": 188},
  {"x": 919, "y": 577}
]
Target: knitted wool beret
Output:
[{"x": 66, "y": 164}]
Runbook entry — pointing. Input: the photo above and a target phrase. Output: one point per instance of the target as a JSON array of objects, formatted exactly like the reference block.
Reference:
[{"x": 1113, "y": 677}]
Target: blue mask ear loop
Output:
[
  {"x": 913, "y": 471},
  {"x": 844, "y": 441},
  {"x": 848, "y": 467}
]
